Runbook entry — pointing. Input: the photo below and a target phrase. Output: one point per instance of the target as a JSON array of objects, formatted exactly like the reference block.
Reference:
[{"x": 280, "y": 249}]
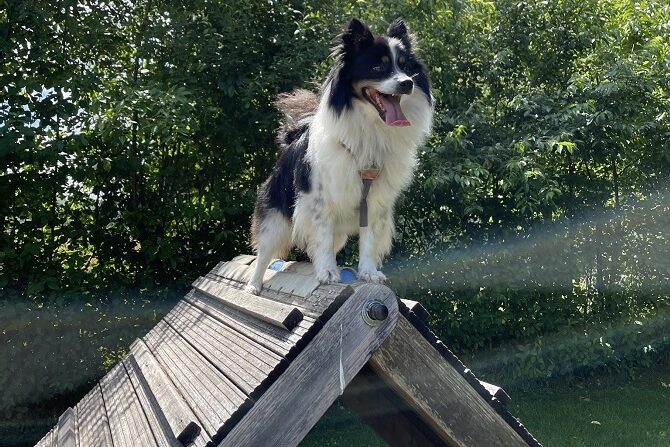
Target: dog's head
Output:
[{"x": 379, "y": 71}]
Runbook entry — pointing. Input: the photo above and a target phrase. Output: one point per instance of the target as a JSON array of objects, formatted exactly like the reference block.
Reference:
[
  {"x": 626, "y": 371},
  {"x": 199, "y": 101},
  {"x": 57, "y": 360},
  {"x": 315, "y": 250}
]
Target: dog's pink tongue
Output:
[{"x": 394, "y": 114}]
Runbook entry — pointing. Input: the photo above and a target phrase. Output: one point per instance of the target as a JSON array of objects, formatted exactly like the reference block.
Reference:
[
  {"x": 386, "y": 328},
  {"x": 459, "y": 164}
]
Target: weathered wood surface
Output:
[
  {"x": 163, "y": 396},
  {"x": 287, "y": 280},
  {"x": 244, "y": 362},
  {"x": 155, "y": 417},
  {"x": 273, "y": 338},
  {"x": 417, "y": 309},
  {"x": 311, "y": 383},
  {"x": 497, "y": 392},
  {"x": 212, "y": 396},
  {"x": 442, "y": 397},
  {"x": 92, "y": 423},
  {"x": 127, "y": 422},
  {"x": 279, "y": 314},
  {"x": 65, "y": 430}
]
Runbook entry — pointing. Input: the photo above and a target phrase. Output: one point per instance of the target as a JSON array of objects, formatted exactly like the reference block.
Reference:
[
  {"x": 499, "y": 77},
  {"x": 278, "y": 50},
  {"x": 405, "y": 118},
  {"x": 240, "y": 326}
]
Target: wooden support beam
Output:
[
  {"x": 438, "y": 393},
  {"x": 275, "y": 313},
  {"x": 391, "y": 418},
  {"x": 284, "y": 414}
]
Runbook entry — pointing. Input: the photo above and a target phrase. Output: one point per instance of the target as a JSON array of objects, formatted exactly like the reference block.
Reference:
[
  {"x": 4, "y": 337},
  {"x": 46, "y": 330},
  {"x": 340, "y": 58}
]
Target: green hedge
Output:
[{"x": 53, "y": 349}]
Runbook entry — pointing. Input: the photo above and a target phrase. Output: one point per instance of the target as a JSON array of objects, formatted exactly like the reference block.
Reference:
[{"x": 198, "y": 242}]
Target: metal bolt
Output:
[{"x": 375, "y": 312}]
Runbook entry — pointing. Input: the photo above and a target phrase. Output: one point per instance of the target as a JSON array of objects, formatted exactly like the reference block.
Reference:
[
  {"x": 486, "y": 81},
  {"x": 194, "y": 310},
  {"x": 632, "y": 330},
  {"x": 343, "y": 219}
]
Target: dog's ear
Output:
[
  {"x": 399, "y": 30},
  {"x": 356, "y": 36}
]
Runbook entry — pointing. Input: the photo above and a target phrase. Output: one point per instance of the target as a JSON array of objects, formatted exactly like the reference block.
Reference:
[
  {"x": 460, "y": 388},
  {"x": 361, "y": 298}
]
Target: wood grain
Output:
[
  {"x": 275, "y": 313},
  {"x": 300, "y": 396},
  {"x": 497, "y": 392},
  {"x": 92, "y": 423},
  {"x": 438, "y": 393},
  {"x": 65, "y": 430},
  {"x": 214, "y": 399},
  {"x": 127, "y": 422}
]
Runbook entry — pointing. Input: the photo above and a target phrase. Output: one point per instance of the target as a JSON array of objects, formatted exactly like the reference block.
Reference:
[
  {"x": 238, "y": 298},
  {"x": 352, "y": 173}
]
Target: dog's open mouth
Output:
[{"x": 388, "y": 107}]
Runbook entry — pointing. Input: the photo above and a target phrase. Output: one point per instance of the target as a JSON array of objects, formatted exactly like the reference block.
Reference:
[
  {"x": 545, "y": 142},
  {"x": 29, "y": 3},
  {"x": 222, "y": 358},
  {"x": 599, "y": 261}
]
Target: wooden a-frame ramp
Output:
[{"x": 231, "y": 369}]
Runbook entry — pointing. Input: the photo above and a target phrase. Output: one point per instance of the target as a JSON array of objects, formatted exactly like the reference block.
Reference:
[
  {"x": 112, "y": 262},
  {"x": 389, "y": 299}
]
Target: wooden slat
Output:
[
  {"x": 437, "y": 392},
  {"x": 244, "y": 362},
  {"x": 497, "y": 392},
  {"x": 300, "y": 268},
  {"x": 276, "y": 339},
  {"x": 244, "y": 259},
  {"x": 294, "y": 279},
  {"x": 163, "y": 397},
  {"x": 417, "y": 309},
  {"x": 65, "y": 430},
  {"x": 213, "y": 398},
  {"x": 279, "y": 314},
  {"x": 92, "y": 424},
  {"x": 300, "y": 396},
  {"x": 127, "y": 422}
]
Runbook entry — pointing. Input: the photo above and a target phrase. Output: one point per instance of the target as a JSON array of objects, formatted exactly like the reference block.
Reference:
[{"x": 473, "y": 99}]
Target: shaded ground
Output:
[{"x": 608, "y": 411}]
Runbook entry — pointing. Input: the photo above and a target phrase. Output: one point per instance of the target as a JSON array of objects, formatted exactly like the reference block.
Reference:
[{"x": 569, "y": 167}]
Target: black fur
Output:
[
  {"x": 291, "y": 174},
  {"x": 359, "y": 51}
]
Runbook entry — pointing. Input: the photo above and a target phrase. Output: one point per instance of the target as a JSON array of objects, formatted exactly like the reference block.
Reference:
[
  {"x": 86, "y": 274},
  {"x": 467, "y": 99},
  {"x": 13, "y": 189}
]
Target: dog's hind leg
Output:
[{"x": 272, "y": 239}]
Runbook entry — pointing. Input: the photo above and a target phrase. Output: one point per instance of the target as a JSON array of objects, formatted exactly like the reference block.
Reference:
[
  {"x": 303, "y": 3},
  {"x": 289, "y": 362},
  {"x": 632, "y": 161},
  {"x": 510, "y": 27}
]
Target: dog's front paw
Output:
[
  {"x": 254, "y": 289},
  {"x": 372, "y": 275},
  {"x": 327, "y": 276}
]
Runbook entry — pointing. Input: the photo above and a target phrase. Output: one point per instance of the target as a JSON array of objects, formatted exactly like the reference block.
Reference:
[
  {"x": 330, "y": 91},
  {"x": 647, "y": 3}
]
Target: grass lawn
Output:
[
  {"x": 608, "y": 412},
  {"x": 605, "y": 412}
]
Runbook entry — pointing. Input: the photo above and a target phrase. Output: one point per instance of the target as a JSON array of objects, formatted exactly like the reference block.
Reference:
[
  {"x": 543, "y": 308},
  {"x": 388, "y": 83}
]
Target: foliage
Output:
[
  {"x": 43, "y": 344},
  {"x": 133, "y": 136}
]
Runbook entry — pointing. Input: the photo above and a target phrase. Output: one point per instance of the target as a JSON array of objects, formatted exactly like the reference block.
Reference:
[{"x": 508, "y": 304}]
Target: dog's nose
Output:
[{"x": 406, "y": 86}]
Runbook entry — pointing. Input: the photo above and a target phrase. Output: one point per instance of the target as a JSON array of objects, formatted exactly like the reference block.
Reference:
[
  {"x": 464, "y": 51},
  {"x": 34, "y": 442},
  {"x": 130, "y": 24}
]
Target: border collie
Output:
[{"x": 373, "y": 111}]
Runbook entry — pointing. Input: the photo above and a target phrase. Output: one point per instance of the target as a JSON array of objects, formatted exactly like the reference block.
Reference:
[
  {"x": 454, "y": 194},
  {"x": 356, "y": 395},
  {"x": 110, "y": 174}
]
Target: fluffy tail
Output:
[{"x": 298, "y": 107}]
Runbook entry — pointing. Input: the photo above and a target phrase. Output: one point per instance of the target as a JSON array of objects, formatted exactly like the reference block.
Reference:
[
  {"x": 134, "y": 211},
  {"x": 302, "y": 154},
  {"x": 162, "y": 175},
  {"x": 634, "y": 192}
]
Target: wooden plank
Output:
[
  {"x": 244, "y": 362},
  {"x": 300, "y": 268},
  {"x": 163, "y": 397},
  {"x": 417, "y": 309},
  {"x": 92, "y": 424},
  {"x": 127, "y": 422},
  {"x": 244, "y": 259},
  {"x": 294, "y": 278},
  {"x": 65, "y": 430},
  {"x": 214, "y": 399},
  {"x": 312, "y": 382},
  {"x": 276, "y": 339},
  {"x": 388, "y": 415},
  {"x": 497, "y": 392},
  {"x": 160, "y": 427},
  {"x": 437, "y": 392},
  {"x": 291, "y": 283},
  {"x": 279, "y": 314}
]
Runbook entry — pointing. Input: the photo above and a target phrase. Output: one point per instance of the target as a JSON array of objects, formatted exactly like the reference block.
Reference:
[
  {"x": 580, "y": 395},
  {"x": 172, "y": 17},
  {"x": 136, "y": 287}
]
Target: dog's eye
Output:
[
  {"x": 383, "y": 64},
  {"x": 402, "y": 62}
]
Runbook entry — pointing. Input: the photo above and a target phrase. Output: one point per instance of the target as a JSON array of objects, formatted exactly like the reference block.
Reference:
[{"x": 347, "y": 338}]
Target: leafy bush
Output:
[{"x": 56, "y": 348}]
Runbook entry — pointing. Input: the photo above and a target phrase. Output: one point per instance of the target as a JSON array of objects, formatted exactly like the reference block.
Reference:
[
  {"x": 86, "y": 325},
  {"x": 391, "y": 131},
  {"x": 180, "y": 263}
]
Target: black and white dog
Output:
[{"x": 373, "y": 111}]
